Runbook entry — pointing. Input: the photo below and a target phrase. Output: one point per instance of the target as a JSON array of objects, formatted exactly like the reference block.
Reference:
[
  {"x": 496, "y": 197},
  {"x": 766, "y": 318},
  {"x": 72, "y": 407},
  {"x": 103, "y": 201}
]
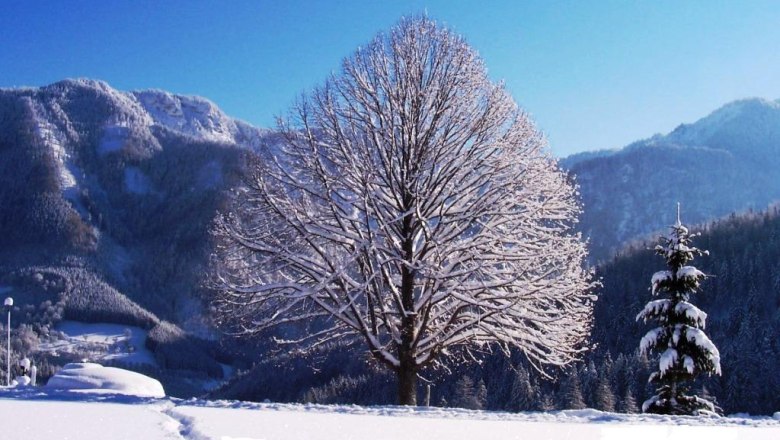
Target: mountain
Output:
[
  {"x": 726, "y": 162},
  {"x": 106, "y": 198}
]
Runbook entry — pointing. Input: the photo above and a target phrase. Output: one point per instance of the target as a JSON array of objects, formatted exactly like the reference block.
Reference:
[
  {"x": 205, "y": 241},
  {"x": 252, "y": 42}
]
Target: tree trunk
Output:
[
  {"x": 407, "y": 385},
  {"x": 407, "y": 370}
]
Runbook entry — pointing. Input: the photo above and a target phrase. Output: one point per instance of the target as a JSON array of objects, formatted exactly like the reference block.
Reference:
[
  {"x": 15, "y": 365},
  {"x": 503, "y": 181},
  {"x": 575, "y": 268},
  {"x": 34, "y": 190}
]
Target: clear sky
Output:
[{"x": 594, "y": 75}]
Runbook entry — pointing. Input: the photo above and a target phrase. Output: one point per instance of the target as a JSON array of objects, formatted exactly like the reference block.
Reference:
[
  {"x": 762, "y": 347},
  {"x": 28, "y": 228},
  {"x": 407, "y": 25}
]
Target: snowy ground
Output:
[
  {"x": 45, "y": 420},
  {"x": 33, "y": 414},
  {"x": 102, "y": 342}
]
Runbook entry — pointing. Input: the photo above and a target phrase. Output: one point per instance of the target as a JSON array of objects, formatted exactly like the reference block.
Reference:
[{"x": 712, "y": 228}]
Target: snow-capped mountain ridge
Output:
[
  {"x": 126, "y": 123},
  {"x": 745, "y": 119},
  {"x": 191, "y": 116},
  {"x": 739, "y": 119},
  {"x": 727, "y": 161}
]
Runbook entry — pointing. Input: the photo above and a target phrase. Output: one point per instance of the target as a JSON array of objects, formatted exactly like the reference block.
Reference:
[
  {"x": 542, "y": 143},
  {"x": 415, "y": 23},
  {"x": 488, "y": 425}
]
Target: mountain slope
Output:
[
  {"x": 728, "y": 161},
  {"x": 91, "y": 171},
  {"x": 106, "y": 198}
]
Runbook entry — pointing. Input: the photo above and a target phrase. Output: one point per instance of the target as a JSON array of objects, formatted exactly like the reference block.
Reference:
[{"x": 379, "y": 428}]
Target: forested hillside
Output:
[
  {"x": 741, "y": 298},
  {"x": 726, "y": 162}
]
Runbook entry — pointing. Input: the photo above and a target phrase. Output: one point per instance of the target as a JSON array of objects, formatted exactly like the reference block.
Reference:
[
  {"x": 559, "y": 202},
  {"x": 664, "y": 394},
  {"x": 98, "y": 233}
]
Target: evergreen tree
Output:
[
  {"x": 685, "y": 350},
  {"x": 546, "y": 403},
  {"x": 643, "y": 369},
  {"x": 628, "y": 403},
  {"x": 571, "y": 392},
  {"x": 588, "y": 379},
  {"x": 481, "y": 394},
  {"x": 604, "y": 397},
  {"x": 522, "y": 394},
  {"x": 469, "y": 395}
]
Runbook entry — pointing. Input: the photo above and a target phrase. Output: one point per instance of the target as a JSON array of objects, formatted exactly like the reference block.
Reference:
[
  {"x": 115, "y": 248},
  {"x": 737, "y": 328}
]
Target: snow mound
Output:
[{"x": 95, "y": 378}]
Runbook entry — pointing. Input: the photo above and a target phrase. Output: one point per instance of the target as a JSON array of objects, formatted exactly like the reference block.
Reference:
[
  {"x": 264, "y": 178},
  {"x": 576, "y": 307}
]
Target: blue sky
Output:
[{"x": 592, "y": 74}]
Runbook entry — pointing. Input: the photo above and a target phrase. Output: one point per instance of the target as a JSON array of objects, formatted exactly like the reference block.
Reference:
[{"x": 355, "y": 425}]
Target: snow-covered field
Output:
[
  {"x": 106, "y": 403},
  {"x": 102, "y": 342},
  {"x": 74, "y": 420},
  {"x": 34, "y": 414}
]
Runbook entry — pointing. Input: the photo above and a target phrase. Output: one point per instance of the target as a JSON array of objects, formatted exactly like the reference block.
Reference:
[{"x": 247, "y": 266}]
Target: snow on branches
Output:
[
  {"x": 414, "y": 206},
  {"x": 693, "y": 314},
  {"x": 671, "y": 337},
  {"x": 685, "y": 350},
  {"x": 683, "y": 310},
  {"x": 660, "y": 278}
]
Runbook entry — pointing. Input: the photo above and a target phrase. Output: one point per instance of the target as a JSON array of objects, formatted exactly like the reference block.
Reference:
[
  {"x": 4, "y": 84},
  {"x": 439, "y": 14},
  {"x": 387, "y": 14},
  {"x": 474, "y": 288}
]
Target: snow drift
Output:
[{"x": 95, "y": 378}]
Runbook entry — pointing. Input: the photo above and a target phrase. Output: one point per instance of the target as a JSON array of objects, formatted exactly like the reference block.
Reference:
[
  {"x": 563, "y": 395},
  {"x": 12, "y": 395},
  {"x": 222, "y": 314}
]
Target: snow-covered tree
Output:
[
  {"x": 410, "y": 205},
  {"x": 685, "y": 350}
]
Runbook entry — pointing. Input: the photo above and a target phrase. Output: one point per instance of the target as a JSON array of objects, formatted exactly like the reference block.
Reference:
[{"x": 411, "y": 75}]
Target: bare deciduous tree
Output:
[{"x": 413, "y": 204}]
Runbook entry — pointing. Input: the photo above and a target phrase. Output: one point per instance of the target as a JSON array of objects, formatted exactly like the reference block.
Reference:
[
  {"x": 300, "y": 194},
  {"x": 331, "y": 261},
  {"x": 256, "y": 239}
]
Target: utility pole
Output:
[{"x": 8, "y": 304}]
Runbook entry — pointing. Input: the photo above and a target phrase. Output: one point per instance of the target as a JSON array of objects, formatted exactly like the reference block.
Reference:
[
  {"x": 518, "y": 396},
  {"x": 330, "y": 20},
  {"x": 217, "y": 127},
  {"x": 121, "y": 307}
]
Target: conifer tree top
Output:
[{"x": 676, "y": 248}]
